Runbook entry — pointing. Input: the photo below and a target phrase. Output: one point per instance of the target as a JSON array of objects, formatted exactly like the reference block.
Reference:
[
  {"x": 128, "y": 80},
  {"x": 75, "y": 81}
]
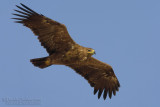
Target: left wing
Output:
[
  {"x": 99, "y": 75},
  {"x": 52, "y": 34}
]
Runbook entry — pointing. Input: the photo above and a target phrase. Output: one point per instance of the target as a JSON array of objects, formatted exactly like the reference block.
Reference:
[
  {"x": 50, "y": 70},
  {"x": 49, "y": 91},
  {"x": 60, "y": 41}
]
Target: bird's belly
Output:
[{"x": 72, "y": 57}]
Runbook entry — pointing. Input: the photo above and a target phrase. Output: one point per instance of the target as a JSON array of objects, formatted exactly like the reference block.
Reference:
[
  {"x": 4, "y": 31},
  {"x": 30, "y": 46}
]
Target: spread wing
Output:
[
  {"x": 52, "y": 35},
  {"x": 99, "y": 75}
]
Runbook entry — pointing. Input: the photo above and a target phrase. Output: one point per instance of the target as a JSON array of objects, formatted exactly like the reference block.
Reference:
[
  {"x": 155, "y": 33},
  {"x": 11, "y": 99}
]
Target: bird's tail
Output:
[{"x": 41, "y": 62}]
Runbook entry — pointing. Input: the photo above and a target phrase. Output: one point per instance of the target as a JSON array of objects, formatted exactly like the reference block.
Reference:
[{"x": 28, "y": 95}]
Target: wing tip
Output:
[
  {"x": 95, "y": 91},
  {"x": 24, "y": 13},
  {"x": 100, "y": 93},
  {"x": 106, "y": 92},
  {"x": 26, "y": 9}
]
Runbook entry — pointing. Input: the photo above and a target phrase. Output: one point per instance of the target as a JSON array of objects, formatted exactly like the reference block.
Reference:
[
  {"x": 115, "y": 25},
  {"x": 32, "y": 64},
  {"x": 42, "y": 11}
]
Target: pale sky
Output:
[{"x": 124, "y": 33}]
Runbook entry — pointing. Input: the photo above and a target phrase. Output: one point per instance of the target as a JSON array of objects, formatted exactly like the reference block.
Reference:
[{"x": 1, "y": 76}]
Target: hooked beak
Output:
[{"x": 94, "y": 52}]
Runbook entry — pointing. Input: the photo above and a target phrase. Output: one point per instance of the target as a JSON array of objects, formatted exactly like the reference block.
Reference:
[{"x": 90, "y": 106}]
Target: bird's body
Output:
[
  {"x": 75, "y": 55},
  {"x": 63, "y": 50}
]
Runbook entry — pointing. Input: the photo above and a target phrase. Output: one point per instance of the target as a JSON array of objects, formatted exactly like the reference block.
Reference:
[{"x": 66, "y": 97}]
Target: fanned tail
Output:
[{"x": 41, "y": 62}]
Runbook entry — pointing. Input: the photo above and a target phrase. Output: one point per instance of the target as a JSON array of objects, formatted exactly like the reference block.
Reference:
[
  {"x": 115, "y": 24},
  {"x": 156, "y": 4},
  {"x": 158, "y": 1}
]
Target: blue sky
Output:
[{"x": 124, "y": 33}]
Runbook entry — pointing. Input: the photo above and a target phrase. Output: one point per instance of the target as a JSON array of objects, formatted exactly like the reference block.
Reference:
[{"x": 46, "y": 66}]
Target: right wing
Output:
[{"x": 99, "y": 75}]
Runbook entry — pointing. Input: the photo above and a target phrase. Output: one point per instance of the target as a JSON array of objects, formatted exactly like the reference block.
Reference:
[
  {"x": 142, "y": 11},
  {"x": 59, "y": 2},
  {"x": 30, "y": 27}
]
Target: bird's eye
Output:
[{"x": 89, "y": 50}]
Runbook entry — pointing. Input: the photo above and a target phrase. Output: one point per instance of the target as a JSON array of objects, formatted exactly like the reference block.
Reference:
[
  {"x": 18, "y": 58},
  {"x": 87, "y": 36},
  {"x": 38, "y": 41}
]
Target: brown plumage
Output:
[{"x": 62, "y": 50}]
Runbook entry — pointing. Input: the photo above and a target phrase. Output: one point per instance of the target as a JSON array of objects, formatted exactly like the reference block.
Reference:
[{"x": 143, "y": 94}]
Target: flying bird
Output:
[{"x": 63, "y": 50}]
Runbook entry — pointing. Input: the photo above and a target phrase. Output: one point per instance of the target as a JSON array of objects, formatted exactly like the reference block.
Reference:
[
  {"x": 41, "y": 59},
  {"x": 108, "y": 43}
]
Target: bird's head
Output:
[{"x": 90, "y": 51}]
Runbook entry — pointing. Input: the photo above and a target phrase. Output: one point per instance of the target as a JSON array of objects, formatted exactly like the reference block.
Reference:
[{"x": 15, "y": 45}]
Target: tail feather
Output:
[{"x": 41, "y": 62}]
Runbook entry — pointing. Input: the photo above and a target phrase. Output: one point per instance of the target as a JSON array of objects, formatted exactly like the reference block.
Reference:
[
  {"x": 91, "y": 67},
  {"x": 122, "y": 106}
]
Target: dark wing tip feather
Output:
[
  {"x": 18, "y": 21},
  {"x": 95, "y": 91},
  {"x": 114, "y": 92},
  {"x": 28, "y": 8},
  {"x": 119, "y": 84},
  {"x": 110, "y": 93},
  {"x": 20, "y": 15},
  {"x": 116, "y": 87},
  {"x": 105, "y": 94},
  {"x": 99, "y": 93},
  {"x": 22, "y": 12},
  {"x": 18, "y": 18}
]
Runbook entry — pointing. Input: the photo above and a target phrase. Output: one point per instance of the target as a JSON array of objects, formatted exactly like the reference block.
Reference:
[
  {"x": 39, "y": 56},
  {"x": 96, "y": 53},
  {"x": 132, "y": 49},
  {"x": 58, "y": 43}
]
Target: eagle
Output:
[{"x": 63, "y": 50}]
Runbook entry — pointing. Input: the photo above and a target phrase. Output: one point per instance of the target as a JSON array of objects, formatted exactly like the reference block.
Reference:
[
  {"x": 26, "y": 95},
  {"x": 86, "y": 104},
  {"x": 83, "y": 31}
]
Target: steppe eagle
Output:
[{"x": 63, "y": 50}]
